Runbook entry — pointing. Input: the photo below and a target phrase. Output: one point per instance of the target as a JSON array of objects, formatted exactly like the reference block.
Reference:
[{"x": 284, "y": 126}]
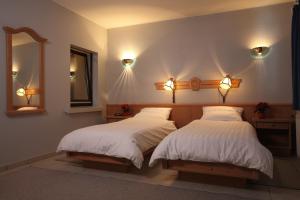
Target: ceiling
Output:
[{"x": 120, "y": 13}]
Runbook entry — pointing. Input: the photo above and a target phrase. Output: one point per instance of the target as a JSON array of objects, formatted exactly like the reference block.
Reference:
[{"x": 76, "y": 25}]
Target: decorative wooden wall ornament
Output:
[{"x": 196, "y": 84}]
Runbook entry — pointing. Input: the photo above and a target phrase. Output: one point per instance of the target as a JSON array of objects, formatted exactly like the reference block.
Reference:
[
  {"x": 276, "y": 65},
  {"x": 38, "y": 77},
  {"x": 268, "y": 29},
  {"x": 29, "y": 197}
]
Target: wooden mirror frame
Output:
[{"x": 11, "y": 109}]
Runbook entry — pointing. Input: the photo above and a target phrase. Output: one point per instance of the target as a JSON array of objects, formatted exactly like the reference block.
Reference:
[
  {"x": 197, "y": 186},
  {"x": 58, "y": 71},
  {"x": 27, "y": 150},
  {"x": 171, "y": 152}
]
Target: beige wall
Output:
[
  {"x": 29, "y": 136},
  {"x": 208, "y": 47}
]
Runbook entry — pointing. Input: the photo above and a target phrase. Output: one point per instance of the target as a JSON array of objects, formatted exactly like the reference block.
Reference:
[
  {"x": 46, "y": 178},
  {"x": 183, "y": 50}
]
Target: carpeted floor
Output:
[
  {"x": 32, "y": 183},
  {"x": 286, "y": 172}
]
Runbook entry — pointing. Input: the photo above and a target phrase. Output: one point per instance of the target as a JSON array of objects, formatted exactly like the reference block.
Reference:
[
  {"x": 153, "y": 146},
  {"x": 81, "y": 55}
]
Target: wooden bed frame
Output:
[
  {"x": 120, "y": 163},
  {"x": 241, "y": 174}
]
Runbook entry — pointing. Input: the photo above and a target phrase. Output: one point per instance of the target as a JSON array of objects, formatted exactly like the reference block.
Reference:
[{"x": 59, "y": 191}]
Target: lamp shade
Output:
[
  {"x": 225, "y": 83},
  {"x": 259, "y": 52},
  {"x": 20, "y": 92},
  {"x": 128, "y": 62},
  {"x": 169, "y": 84}
]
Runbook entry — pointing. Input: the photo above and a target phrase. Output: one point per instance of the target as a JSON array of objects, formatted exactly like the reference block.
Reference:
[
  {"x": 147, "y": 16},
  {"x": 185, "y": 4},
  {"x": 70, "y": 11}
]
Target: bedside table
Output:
[
  {"x": 275, "y": 134},
  {"x": 115, "y": 118}
]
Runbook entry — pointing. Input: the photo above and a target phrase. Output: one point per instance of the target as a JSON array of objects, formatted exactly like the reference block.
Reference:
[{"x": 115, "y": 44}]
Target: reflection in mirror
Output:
[
  {"x": 25, "y": 60},
  {"x": 81, "y": 73},
  {"x": 25, "y": 71}
]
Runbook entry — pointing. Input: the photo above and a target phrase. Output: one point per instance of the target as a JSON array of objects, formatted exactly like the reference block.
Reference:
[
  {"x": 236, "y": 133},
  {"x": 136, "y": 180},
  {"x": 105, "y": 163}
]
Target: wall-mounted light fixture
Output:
[
  {"x": 224, "y": 87},
  {"x": 259, "y": 52},
  {"x": 27, "y": 92},
  {"x": 72, "y": 75},
  {"x": 128, "y": 59},
  {"x": 170, "y": 86},
  {"x": 127, "y": 62},
  {"x": 14, "y": 74}
]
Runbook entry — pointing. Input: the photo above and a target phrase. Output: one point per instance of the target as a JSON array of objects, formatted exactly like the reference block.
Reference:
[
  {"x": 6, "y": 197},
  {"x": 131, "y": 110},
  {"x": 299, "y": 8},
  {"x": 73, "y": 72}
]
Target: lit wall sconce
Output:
[
  {"x": 14, "y": 74},
  {"x": 259, "y": 52},
  {"x": 72, "y": 75},
  {"x": 224, "y": 87},
  {"x": 170, "y": 86},
  {"x": 27, "y": 92},
  {"x": 128, "y": 62}
]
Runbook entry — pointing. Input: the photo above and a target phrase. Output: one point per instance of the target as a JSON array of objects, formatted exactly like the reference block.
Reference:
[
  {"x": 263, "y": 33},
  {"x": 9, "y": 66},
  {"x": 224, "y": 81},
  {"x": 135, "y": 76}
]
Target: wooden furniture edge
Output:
[
  {"x": 198, "y": 104},
  {"x": 104, "y": 159},
  {"x": 196, "y": 84},
  {"x": 216, "y": 169}
]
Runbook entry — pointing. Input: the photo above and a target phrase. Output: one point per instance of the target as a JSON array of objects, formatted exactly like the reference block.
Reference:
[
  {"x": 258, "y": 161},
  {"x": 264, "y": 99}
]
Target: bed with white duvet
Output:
[
  {"x": 218, "y": 137},
  {"x": 128, "y": 138}
]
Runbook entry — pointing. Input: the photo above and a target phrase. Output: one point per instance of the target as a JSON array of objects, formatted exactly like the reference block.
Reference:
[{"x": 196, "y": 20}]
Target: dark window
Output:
[{"x": 81, "y": 73}]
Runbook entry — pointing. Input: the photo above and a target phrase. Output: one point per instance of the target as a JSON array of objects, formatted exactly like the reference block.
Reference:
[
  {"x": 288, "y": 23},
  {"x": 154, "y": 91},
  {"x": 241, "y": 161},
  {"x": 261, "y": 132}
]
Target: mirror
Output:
[{"x": 25, "y": 71}]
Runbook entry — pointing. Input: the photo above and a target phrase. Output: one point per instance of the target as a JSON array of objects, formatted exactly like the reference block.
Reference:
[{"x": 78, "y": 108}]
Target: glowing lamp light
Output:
[
  {"x": 72, "y": 75},
  {"x": 169, "y": 84},
  {"x": 259, "y": 52},
  {"x": 128, "y": 60},
  {"x": 27, "y": 92},
  {"x": 20, "y": 92},
  {"x": 225, "y": 83}
]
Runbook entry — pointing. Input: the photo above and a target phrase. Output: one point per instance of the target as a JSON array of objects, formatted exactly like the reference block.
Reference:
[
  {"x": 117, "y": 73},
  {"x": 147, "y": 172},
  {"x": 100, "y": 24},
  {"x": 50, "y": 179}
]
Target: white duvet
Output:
[
  {"x": 124, "y": 139},
  {"x": 233, "y": 142}
]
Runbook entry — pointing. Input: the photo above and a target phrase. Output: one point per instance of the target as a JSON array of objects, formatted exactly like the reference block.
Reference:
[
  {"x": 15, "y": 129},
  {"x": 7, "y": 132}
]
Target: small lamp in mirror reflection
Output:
[
  {"x": 128, "y": 62},
  {"x": 260, "y": 52},
  {"x": 72, "y": 75},
  {"x": 14, "y": 74},
  {"x": 224, "y": 87},
  {"x": 170, "y": 86},
  {"x": 27, "y": 92}
]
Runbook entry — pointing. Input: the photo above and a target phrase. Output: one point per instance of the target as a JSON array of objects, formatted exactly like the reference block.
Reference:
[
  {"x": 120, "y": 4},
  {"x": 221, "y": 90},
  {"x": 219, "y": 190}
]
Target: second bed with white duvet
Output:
[{"x": 232, "y": 142}]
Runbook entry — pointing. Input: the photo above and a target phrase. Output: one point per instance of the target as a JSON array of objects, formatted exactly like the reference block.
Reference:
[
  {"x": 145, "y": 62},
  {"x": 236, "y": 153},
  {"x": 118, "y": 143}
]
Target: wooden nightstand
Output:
[
  {"x": 275, "y": 134},
  {"x": 115, "y": 118}
]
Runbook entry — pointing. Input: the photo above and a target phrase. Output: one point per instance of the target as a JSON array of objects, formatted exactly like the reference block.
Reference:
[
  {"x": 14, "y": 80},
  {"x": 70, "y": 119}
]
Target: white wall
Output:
[
  {"x": 207, "y": 47},
  {"x": 24, "y": 137}
]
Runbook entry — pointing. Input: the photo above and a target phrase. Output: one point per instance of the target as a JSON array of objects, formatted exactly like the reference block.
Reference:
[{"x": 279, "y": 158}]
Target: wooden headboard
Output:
[{"x": 183, "y": 114}]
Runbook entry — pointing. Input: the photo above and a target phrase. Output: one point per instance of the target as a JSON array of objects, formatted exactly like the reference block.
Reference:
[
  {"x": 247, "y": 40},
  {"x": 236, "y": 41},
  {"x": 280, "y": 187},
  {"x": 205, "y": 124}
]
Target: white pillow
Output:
[
  {"x": 222, "y": 113},
  {"x": 160, "y": 113}
]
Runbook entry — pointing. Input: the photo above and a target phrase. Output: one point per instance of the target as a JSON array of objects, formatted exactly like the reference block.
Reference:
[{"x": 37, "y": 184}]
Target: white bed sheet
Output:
[
  {"x": 124, "y": 139},
  {"x": 233, "y": 142}
]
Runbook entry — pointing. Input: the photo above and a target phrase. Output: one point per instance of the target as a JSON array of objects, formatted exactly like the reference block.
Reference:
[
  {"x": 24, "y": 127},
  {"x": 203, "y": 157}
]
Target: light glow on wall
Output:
[{"x": 128, "y": 55}]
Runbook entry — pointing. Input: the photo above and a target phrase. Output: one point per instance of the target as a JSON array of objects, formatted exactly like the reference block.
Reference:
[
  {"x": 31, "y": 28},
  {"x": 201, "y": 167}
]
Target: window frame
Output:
[{"x": 88, "y": 56}]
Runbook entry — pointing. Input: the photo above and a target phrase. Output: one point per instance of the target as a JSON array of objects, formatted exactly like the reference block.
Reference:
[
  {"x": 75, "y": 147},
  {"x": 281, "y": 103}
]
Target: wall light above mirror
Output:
[{"x": 25, "y": 71}]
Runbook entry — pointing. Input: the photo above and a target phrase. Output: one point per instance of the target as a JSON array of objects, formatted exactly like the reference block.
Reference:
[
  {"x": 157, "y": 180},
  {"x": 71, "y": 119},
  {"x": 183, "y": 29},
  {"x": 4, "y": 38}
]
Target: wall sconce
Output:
[
  {"x": 72, "y": 75},
  {"x": 170, "y": 86},
  {"x": 259, "y": 52},
  {"x": 225, "y": 85},
  {"x": 127, "y": 62},
  {"x": 14, "y": 74},
  {"x": 27, "y": 92}
]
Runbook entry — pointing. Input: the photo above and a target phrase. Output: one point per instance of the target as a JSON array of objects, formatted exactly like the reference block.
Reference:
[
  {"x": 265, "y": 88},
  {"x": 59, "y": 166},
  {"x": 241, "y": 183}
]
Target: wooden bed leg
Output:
[{"x": 165, "y": 164}]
